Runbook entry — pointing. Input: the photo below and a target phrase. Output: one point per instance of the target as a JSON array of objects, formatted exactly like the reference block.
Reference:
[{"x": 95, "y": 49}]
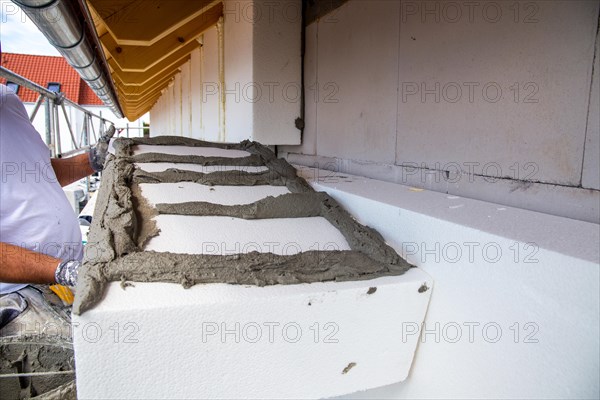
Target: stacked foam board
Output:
[{"x": 214, "y": 271}]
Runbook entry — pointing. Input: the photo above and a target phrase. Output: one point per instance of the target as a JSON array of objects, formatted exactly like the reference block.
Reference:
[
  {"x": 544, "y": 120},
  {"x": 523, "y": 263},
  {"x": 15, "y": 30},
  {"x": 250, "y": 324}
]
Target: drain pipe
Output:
[{"x": 65, "y": 29}]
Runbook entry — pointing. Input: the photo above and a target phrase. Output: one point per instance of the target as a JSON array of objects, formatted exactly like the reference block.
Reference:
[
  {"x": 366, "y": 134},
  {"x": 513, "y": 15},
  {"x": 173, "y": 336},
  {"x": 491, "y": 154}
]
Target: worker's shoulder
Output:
[
  {"x": 10, "y": 101},
  {"x": 4, "y": 90},
  {"x": 6, "y": 94}
]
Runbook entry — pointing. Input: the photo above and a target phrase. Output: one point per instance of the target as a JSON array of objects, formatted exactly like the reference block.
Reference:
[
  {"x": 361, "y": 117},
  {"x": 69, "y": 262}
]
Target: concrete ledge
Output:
[{"x": 566, "y": 201}]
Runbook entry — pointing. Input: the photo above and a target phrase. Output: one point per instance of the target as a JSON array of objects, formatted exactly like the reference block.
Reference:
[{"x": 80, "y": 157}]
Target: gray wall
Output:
[{"x": 489, "y": 100}]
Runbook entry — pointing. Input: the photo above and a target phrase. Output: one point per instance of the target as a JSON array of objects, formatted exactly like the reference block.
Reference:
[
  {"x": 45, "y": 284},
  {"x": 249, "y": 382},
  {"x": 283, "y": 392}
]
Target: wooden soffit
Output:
[{"x": 146, "y": 41}]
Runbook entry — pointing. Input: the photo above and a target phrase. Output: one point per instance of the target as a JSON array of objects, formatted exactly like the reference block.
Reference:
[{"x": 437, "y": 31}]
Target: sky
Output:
[{"x": 19, "y": 35}]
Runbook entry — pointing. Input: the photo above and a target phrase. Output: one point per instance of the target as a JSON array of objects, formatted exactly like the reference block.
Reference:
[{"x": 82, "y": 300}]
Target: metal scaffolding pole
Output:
[{"x": 52, "y": 102}]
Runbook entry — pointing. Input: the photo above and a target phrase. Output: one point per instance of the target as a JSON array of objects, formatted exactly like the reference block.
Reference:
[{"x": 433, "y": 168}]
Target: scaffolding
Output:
[{"x": 54, "y": 104}]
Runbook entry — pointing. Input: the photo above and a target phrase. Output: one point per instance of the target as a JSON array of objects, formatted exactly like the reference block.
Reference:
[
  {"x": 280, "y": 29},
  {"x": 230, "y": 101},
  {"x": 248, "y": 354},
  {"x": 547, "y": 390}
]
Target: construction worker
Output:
[{"x": 40, "y": 239}]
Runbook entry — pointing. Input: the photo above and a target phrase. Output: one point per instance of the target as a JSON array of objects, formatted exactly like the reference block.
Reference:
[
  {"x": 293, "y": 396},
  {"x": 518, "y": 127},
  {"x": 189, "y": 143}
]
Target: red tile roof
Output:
[
  {"x": 45, "y": 69},
  {"x": 87, "y": 95}
]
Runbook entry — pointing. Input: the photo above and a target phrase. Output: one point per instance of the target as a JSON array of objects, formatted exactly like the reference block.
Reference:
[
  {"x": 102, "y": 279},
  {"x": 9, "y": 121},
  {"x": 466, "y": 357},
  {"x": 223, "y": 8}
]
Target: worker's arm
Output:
[
  {"x": 72, "y": 169},
  {"x": 20, "y": 265}
]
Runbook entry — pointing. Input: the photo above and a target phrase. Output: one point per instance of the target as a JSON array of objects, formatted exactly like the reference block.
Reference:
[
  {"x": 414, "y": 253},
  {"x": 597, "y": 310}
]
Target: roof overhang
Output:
[{"x": 145, "y": 43}]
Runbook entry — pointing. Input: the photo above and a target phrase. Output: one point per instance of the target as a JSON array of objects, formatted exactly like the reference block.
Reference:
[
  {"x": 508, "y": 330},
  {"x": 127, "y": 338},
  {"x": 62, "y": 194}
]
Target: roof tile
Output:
[{"x": 45, "y": 69}]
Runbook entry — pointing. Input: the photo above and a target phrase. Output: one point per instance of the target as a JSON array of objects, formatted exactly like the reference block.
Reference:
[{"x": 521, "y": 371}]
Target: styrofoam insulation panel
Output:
[
  {"x": 328, "y": 338},
  {"x": 181, "y": 192}
]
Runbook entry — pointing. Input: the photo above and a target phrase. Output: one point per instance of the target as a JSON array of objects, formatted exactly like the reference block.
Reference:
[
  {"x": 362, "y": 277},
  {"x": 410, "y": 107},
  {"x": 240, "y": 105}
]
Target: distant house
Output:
[
  {"x": 50, "y": 72},
  {"x": 55, "y": 74}
]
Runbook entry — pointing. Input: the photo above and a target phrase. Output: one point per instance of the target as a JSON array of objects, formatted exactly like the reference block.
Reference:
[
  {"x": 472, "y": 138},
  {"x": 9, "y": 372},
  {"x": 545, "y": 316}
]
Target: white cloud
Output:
[{"x": 19, "y": 35}]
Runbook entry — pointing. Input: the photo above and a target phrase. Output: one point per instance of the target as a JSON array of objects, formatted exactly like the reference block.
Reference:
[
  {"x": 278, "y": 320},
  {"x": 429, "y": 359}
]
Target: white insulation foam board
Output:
[
  {"x": 161, "y": 341},
  {"x": 318, "y": 340},
  {"x": 181, "y": 192},
  {"x": 185, "y": 150},
  {"x": 227, "y": 235}
]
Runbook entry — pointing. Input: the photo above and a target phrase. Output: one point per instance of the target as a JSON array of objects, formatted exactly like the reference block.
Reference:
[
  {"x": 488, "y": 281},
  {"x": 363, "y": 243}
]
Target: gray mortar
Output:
[
  {"x": 68, "y": 391},
  {"x": 252, "y": 160},
  {"x": 360, "y": 237},
  {"x": 114, "y": 215},
  {"x": 117, "y": 234},
  {"x": 33, "y": 354},
  {"x": 260, "y": 269},
  {"x": 144, "y": 214},
  {"x": 297, "y": 205},
  {"x": 292, "y": 205},
  {"x": 279, "y": 166},
  {"x": 176, "y": 141}
]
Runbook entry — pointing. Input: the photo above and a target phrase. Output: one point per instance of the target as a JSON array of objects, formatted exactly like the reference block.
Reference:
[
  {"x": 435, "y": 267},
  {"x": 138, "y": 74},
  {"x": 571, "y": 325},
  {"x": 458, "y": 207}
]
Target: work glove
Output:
[
  {"x": 97, "y": 154},
  {"x": 66, "y": 272}
]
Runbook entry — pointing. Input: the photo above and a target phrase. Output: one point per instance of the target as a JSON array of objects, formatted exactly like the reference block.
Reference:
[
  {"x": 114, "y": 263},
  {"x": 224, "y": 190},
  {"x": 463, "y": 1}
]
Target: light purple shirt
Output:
[{"x": 34, "y": 211}]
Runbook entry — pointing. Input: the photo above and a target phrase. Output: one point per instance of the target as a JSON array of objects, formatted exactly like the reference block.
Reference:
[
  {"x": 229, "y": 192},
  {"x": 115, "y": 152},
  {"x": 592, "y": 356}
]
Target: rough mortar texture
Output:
[
  {"x": 36, "y": 354},
  {"x": 123, "y": 224}
]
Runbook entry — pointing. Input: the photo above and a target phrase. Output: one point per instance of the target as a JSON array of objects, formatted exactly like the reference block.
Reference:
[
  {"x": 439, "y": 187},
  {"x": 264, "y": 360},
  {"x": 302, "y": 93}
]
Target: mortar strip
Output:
[{"x": 115, "y": 249}]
